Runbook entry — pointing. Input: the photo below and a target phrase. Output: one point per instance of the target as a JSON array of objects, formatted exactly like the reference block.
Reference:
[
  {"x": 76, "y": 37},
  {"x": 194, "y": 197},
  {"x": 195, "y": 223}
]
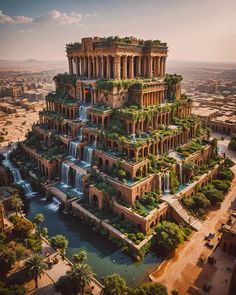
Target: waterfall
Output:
[
  {"x": 79, "y": 181},
  {"x": 133, "y": 137},
  {"x": 160, "y": 184},
  {"x": 27, "y": 188},
  {"x": 167, "y": 182},
  {"x": 180, "y": 173},
  {"x": 80, "y": 133},
  {"x": 83, "y": 111},
  {"x": 73, "y": 149},
  {"x": 17, "y": 176},
  {"x": 65, "y": 173},
  {"x": 54, "y": 206},
  {"x": 88, "y": 155}
]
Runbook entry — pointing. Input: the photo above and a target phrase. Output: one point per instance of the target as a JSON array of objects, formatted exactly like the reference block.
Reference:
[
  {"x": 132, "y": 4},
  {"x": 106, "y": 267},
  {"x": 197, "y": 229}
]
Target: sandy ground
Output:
[
  {"x": 183, "y": 272},
  {"x": 18, "y": 126}
]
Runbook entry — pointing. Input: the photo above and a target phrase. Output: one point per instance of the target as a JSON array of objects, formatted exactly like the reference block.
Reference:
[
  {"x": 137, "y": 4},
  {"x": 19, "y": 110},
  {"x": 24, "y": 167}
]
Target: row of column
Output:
[
  {"x": 157, "y": 121},
  {"x": 152, "y": 98},
  {"x": 70, "y": 112},
  {"x": 117, "y": 67}
]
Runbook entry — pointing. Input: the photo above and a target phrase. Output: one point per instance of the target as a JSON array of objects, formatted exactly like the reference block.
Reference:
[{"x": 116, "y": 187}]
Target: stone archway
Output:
[{"x": 95, "y": 201}]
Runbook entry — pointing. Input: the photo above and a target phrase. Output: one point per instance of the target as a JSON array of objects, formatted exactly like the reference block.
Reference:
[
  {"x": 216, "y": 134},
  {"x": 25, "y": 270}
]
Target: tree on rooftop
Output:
[
  {"x": 35, "y": 266},
  {"x": 79, "y": 257},
  {"x": 38, "y": 220},
  {"x": 17, "y": 204},
  {"x": 61, "y": 243},
  {"x": 169, "y": 235},
  {"x": 114, "y": 285}
]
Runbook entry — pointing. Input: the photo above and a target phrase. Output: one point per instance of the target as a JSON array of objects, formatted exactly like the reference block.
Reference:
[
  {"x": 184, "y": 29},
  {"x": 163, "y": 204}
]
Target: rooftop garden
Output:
[
  {"x": 210, "y": 194},
  {"x": 134, "y": 113},
  {"x": 132, "y": 40},
  {"x": 49, "y": 153},
  {"x": 185, "y": 122},
  {"x": 139, "y": 84},
  {"x": 145, "y": 204},
  {"x": 191, "y": 148},
  {"x": 63, "y": 79}
]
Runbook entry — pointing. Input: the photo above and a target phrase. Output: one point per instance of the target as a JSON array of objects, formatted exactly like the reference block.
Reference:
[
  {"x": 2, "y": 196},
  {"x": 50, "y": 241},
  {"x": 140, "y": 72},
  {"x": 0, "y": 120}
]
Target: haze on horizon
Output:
[{"x": 203, "y": 30}]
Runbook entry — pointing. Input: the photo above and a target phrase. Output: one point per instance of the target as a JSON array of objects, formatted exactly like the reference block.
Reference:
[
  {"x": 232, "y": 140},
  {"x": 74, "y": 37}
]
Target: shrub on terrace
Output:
[
  {"x": 221, "y": 185},
  {"x": 22, "y": 228},
  {"x": 12, "y": 290},
  {"x": 213, "y": 195},
  {"x": 174, "y": 182},
  {"x": 232, "y": 143},
  {"x": 169, "y": 235},
  {"x": 229, "y": 163},
  {"x": 7, "y": 260},
  {"x": 225, "y": 174}
]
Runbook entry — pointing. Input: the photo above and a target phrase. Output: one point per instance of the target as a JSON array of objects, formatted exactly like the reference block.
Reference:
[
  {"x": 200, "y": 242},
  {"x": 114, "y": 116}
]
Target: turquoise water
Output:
[{"x": 103, "y": 256}]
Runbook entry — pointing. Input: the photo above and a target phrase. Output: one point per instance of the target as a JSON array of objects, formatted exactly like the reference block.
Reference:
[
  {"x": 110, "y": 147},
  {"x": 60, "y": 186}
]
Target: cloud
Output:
[
  {"x": 52, "y": 17},
  {"x": 20, "y": 19},
  {"x": 57, "y": 17}
]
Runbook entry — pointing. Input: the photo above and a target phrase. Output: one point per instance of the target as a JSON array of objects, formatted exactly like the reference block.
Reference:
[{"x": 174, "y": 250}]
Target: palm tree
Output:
[
  {"x": 35, "y": 266},
  {"x": 38, "y": 219},
  {"x": 17, "y": 204},
  {"x": 79, "y": 257},
  {"x": 84, "y": 274}
]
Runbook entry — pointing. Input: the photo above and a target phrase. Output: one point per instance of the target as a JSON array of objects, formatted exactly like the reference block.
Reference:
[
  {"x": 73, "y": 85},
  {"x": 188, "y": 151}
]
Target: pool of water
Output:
[{"x": 103, "y": 256}]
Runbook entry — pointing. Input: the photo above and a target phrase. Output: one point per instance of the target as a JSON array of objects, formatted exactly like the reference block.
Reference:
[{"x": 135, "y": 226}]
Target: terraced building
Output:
[{"x": 115, "y": 139}]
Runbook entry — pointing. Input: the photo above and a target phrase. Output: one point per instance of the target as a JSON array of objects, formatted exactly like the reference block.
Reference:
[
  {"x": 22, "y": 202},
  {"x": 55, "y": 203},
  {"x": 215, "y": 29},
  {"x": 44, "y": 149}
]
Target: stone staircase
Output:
[{"x": 175, "y": 204}]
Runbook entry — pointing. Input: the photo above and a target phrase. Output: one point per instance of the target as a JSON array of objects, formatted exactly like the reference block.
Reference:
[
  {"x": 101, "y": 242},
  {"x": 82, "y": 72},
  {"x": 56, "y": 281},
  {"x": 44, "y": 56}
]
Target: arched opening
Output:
[
  {"x": 94, "y": 201},
  {"x": 88, "y": 93},
  {"x": 100, "y": 163}
]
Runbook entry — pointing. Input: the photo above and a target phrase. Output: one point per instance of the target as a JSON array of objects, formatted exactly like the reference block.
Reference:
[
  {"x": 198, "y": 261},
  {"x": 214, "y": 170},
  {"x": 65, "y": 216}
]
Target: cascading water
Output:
[
  {"x": 167, "y": 182},
  {"x": 65, "y": 173},
  {"x": 79, "y": 182},
  {"x": 160, "y": 184},
  {"x": 54, "y": 205},
  {"x": 80, "y": 133},
  {"x": 133, "y": 137},
  {"x": 83, "y": 111},
  {"x": 180, "y": 173},
  {"x": 73, "y": 149},
  {"x": 88, "y": 155},
  {"x": 16, "y": 175}
]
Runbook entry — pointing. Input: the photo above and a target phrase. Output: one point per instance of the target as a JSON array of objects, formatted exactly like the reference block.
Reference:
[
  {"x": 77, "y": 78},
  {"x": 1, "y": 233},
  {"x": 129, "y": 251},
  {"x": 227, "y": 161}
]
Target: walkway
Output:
[{"x": 175, "y": 204}]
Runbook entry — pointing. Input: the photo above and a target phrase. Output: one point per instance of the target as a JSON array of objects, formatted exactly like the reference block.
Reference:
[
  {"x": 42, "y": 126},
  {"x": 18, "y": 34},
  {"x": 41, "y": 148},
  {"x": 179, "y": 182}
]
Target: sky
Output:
[{"x": 195, "y": 30}]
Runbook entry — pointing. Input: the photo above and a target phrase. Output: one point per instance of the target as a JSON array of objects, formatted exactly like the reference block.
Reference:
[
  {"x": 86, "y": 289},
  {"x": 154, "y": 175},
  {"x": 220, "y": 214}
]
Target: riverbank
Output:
[{"x": 182, "y": 271}]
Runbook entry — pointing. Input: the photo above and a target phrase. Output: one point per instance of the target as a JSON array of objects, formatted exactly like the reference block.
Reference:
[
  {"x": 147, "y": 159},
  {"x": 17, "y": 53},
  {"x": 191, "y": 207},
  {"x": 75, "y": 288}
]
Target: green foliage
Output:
[
  {"x": 12, "y": 290},
  {"x": 114, "y": 285},
  {"x": 146, "y": 203},
  {"x": 229, "y": 163},
  {"x": 225, "y": 174},
  {"x": 38, "y": 219},
  {"x": 34, "y": 243},
  {"x": 35, "y": 266},
  {"x": 79, "y": 257},
  {"x": 22, "y": 228},
  {"x": 149, "y": 289},
  {"x": 106, "y": 187},
  {"x": 169, "y": 235},
  {"x": 7, "y": 260},
  {"x": 174, "y": 182},
  {"x": 59, "y": 242},
  {"x": 232, "y": 143}
]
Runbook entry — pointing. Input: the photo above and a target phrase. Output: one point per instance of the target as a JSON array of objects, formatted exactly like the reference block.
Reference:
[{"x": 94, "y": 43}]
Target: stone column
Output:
[
  {"x": 164, "y": 66},
  {"x": 102, "y": 67},
  {"x": 117, "y": 67},
  {"x": 149, "y": 66},
  {"x": 89, "y": 67},
  {"x": 94, "y": 66},
  {"x": 138, "y": 66},
  {"x": 124, "y": 67},
  {"x": 131, "y": 67},
  {"x": 158, "y": 66},
  {"x": 70, "y": 65},
  {"x": 77, "y": 66},
  {"x": 108, "y": 72}
]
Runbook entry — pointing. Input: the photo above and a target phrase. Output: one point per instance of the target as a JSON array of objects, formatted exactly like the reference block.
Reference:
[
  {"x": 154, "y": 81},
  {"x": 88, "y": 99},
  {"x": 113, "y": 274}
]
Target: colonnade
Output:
[
  {"x": 141, "y": 126},
  {"x": 152, "y": 98},
  {"x": 70, "y": 112},
  {"x": 117, "y": 67}
]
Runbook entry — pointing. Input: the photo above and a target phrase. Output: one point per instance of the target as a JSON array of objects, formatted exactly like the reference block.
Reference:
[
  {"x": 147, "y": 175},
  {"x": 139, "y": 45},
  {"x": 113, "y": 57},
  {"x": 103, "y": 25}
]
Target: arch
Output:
[
  {"x": 161, "y": 218},
  {"x": 94, "y": 201},
  {"x": 100, "y": 163},
  {"x": 106, "y": 162}
]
